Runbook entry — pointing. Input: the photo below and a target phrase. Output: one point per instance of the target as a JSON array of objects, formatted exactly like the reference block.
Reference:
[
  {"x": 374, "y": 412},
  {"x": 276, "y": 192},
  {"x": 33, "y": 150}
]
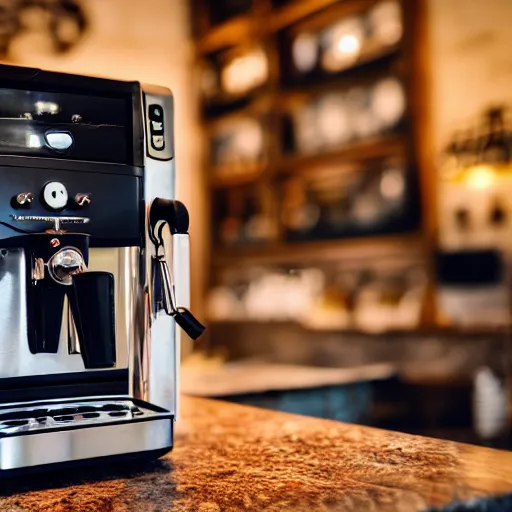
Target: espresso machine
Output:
[{"x": 94, "y": 271}]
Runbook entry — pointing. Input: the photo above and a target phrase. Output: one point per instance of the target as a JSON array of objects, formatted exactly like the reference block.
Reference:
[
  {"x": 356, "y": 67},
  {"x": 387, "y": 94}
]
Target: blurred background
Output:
[{"x": 347, "y": 165}]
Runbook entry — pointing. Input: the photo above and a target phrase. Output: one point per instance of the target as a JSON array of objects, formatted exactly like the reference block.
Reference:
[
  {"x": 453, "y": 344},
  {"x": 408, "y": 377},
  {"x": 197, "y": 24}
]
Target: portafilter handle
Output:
[
  {"x": 91, "y": 298},
  {"x": 166, "y": 284}
]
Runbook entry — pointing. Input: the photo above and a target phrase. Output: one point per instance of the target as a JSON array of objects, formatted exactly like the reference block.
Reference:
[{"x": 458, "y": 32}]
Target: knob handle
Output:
[
  {"x": 174, "y": 213},
  {"x": 82, "y": 200},
  {"x": 65, "y": 264},
  {"x": 189, "y": 323},
  {"x": 23, "y": 200}
]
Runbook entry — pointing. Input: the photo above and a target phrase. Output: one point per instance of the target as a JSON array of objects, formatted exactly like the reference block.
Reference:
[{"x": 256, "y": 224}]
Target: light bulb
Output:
[
  {"x": 480, "y": 177},
  {"x": 349, "y": 44}
]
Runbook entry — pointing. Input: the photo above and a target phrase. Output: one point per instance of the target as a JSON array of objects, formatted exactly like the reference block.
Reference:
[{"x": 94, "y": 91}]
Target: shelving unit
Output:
[
  {"x": 411, "y": 246},
  {"x": 271, "y": 20},
  {"x": 373, "y": 148},
  {"x": 271, "y": 26}
]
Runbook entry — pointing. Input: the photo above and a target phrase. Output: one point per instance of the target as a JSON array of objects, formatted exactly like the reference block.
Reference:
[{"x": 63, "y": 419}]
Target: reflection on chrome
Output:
[
  {"x": 46, "y": 107},
  {"x": 33, "y": 140}
]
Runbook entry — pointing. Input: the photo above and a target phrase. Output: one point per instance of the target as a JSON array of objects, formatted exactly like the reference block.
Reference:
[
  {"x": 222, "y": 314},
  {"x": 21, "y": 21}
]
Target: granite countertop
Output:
[
  {"x": 241, "y": 377},
  {"x": 230, "y": 457}
]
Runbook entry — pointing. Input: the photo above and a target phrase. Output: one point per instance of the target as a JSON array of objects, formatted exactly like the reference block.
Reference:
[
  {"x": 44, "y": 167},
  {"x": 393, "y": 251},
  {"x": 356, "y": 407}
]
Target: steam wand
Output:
[{"x": 175, "y": 215}]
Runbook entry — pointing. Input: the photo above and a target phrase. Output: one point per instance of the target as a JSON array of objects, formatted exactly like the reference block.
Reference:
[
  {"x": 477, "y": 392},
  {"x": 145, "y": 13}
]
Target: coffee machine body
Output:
[{"x": 94, "y": 270}]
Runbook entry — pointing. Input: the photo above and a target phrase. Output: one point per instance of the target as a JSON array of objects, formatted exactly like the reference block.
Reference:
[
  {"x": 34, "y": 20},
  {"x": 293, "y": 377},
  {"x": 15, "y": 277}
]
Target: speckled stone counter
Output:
[{"x": 230, "y": 457}]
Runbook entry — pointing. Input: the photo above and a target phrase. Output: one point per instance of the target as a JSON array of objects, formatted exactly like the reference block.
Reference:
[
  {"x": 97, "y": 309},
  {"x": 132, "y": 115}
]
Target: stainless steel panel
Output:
[
  {"x": 45, "y": 445},
  {"x": 155, "y": 351},
  {"x": 123, "y": 262},
  {"x": 73, "y": 342},
  {"x": 16, "y": 360},
  {"x": 13, "y": 314},
  {"x": 41, "y": 417},
  {"x": 86, "y": 443}
]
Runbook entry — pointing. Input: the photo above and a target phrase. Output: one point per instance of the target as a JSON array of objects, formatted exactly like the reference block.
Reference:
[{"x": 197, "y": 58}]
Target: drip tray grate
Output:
[{"x": 37, "y": 417}]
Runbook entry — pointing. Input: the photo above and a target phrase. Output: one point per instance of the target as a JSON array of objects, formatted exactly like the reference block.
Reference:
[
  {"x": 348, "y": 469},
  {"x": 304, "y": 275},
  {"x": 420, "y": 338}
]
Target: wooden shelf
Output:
[
  {"x": 243, "y": 28},
  {"x": 229, "y": 33},
  {"x": 233, "y": 179},
  {"x": 410, "y": 246},
  {"x": 366, "y": 69},
  {"x": 297, "y": 325},
  {"x": 359, "y": 151},
  {"x": 297, "y": 11},
  {"x": 422, "y": 330}
]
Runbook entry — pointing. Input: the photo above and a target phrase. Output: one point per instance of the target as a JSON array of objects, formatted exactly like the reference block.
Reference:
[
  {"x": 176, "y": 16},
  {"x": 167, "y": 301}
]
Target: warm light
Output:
[
  {"x": 480, "y": 177},
  {"x": 342, "y": 44},
  {"x": 388, "y": 101},
  {"x": 249, "y": 138},
  {"x": 305, "y": 52},
  {"x": 245, "y": 72},
  {"x": 349, "y": 44},
  {"x": 385, "y": 20},
  {"x": 392, "y": 184},
  {"x": 334, "y": 125}
]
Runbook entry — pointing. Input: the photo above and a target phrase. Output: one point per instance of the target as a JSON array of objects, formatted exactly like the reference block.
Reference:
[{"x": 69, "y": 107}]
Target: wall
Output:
[
  {"x": 471, "y": 64},
  {"x": 471, "y": 60},
  {"x": 146, "y": 41}
]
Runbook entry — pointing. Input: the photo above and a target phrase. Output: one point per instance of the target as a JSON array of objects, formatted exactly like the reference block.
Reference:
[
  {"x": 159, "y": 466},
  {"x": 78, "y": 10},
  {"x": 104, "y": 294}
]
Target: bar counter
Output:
[{"x": 230, "y": 457}]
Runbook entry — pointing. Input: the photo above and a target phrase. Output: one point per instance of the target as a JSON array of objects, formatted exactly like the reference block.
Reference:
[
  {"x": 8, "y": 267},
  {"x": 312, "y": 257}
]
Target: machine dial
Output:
[
  {"x": 82, "y": 200},
  {"x": 55, "y": 196},
  {"x": 65, "y": 264},
  {"x": 23, "y": 200}
]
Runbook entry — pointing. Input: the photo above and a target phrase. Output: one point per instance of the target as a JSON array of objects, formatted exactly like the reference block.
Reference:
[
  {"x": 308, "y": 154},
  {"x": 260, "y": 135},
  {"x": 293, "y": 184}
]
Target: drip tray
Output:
[
  {"x": 52, "y": 432},
  {"x": 40, "y": 416}
]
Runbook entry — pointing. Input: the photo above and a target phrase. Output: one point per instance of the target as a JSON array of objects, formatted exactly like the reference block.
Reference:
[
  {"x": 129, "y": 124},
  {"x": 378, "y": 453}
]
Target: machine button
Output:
[
  {"x": 82, "y": 200},
  {"x": 55, "y": 196},
  {"x": 157, "y": 141},
  {"x": 60, "y": 141},
  {"x": 156, "y": 113},
  {"x": 157, "y": 127},
  {"x": 23, "y": 200}
]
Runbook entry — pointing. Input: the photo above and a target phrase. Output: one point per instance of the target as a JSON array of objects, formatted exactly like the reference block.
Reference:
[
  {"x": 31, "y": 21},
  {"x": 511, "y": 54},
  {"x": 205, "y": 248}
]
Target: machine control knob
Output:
[
  {"x": 55, "y": 196},
  {"x": 23, "y": 200},
  {"x": 66, "y": 263},
  {"x": 82, "y": 200}
]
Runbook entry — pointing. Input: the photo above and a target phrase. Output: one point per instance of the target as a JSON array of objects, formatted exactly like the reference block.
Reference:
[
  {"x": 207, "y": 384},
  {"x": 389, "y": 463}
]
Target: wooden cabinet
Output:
[{"x": 315, "y": 125}]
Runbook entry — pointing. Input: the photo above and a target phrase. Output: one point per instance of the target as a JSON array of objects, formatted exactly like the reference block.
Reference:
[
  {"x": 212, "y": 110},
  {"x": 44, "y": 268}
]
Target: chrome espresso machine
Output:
[{"x": 94, "y": 271}]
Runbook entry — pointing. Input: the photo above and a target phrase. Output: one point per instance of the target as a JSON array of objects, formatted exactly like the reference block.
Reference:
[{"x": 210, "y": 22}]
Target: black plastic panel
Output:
[
  {"x": 99, "y": 129},
  {"x": 64, "y": 385},
  {"x": 470, "y": 268},
  {"x": 111, "y": 93},
  {"x": 68, "y": 165},
  {"x": 113, "y": 213}
]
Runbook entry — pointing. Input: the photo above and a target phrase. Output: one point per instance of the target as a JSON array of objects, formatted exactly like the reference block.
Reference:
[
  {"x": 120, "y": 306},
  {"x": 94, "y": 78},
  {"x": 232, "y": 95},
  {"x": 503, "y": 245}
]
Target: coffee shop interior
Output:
[{"x": 348, "y": 169}]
